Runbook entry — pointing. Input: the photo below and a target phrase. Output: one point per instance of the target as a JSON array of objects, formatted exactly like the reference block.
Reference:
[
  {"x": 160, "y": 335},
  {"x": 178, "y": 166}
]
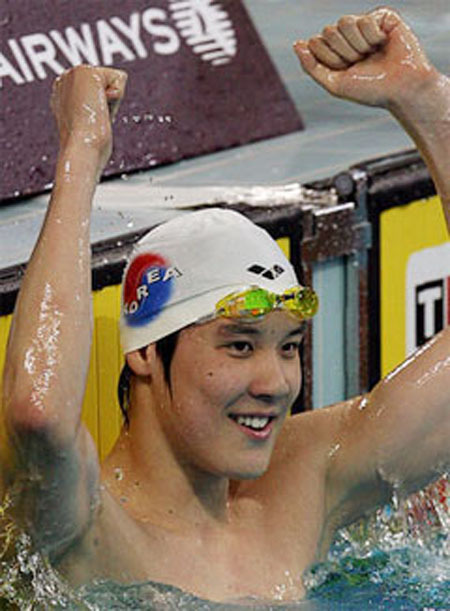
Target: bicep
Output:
[{"x": 396, "y": 437}]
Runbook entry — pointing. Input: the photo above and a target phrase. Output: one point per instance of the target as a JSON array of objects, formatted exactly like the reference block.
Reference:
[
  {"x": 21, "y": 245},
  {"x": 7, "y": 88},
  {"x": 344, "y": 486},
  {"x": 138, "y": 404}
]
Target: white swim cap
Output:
[{"x": 181, "y": 269}]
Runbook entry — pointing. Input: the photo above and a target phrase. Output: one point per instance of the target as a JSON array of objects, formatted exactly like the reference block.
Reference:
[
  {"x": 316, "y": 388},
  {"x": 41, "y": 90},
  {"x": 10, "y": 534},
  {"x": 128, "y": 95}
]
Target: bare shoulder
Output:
[
  {"x": 303, "y": 452},
  {"x": 312, "y": 432}
]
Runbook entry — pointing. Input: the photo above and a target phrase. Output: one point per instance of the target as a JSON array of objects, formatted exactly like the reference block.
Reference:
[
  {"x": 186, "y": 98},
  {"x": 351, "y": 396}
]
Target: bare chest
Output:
[{"x": 255, "y": 557}]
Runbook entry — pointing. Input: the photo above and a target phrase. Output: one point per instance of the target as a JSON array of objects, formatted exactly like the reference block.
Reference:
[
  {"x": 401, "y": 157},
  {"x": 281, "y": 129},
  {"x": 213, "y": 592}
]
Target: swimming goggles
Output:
[{"x": 300, "y": 301}]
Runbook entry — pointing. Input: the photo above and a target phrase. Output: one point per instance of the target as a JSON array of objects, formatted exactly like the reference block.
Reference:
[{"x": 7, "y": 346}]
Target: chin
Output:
[{"x": 249, "y": 470}]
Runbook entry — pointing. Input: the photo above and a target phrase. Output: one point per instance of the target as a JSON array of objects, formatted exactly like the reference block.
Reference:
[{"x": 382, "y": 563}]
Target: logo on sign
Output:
[
  {"x": 428, "y": 295},
  {"x": 204, "y": 25},
  {"x": 206, "y": 28},
  {"x": 148, "y": 287},
  {"x": 430, "y": 309}
]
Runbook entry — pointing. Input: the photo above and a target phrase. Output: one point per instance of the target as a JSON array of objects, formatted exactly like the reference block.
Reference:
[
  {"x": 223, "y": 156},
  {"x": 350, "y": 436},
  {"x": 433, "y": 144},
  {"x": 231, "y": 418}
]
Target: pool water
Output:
[{"x": 398, "y": 559}]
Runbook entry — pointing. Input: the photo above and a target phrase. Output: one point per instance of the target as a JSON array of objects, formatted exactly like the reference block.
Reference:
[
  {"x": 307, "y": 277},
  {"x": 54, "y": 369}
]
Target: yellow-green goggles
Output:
[{"x": 300, "y": 301}]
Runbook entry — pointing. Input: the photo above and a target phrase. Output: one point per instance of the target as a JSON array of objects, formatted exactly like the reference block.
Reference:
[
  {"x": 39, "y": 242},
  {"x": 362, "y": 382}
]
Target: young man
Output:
[{"x": 210, "y": 487}]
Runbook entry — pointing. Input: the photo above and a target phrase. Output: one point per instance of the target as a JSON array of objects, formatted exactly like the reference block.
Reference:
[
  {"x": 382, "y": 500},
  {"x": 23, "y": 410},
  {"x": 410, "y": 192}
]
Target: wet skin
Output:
[
  {"x": 189, "y": 435},
  {"x": 196, "y": 493},
  {"x": 222, "y": 372}
]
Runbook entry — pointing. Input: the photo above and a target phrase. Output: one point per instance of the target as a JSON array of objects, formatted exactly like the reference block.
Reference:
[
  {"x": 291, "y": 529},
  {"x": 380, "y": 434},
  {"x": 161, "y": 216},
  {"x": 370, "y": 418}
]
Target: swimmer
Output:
[{"x": 211, "y": 487}]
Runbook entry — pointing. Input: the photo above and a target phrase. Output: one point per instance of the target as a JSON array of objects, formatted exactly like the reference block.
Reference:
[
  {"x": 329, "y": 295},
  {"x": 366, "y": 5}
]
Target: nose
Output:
[{"x": 274, "y": 379}]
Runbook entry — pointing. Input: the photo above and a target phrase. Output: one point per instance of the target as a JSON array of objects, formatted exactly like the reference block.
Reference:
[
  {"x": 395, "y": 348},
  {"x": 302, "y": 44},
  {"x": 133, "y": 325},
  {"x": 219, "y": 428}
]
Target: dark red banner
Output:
[{"x": 200, "y": 80}]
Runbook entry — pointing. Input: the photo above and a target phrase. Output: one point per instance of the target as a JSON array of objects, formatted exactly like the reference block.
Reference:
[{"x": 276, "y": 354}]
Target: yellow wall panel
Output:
[
  {"x": 89, "y": 412},
  {"x": 285, "y": 245},
  {"x": 108, "y": 362},
  {"x": 404, "y": 230},
  {"x": 5, "y": 323}
]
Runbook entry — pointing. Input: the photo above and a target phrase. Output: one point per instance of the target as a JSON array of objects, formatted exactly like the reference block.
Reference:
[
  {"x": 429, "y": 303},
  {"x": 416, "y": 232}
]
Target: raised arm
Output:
[
  {"x": 376, "y": 59},
  {"x": 398, "y": 436},
  {"x": 52, "y": 463}
]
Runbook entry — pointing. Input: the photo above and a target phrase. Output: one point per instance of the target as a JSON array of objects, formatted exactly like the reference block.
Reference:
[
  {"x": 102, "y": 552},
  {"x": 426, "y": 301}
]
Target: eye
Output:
[
  {"x": 240, "y": 348},
  {"x": 290, "y": 349}
]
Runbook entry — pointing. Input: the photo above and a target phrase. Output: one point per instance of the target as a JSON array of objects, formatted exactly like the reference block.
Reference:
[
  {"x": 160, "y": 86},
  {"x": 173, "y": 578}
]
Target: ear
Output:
[{"x": 142, "y": 361}]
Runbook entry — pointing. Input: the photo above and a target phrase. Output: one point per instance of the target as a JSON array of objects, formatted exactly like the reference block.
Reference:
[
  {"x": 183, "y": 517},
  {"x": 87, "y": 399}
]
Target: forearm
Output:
[
  {"x": 49, "y": 346},
  {"x": 426, "y": 117}
]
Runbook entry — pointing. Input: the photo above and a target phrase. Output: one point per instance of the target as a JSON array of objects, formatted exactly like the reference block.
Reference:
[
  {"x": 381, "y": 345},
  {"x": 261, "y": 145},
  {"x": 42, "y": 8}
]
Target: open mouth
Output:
[{"x": 254, "y": 423}]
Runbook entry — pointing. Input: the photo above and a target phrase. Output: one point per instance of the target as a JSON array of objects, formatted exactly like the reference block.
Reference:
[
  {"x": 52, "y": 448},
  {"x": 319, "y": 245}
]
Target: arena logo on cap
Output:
[{"x": 148, "y": 287}]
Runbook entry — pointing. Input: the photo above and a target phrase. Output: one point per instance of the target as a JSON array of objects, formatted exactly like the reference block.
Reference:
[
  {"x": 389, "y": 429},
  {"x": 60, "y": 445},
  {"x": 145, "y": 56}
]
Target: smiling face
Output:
[{"x": 233, "y": 383}]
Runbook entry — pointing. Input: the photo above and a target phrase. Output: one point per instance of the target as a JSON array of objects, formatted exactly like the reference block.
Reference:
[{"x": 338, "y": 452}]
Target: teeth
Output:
[{"x": 253, "y": 422}]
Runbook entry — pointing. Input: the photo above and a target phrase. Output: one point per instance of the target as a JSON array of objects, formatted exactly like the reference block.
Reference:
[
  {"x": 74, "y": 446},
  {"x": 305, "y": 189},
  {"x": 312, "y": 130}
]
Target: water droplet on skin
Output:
[
  {"x": 30, "y": 361},
  {"x": 67, "y": 170},
  {"x": 334, "y": 449},
  {"x": 363, "y": 403},
  {"x": 433, "y": 372}
]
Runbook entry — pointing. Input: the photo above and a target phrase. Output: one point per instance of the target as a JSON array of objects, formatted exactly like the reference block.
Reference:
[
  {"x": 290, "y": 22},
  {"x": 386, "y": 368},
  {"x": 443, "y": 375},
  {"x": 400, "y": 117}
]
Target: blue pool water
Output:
[{"x": 399, "y": 559}]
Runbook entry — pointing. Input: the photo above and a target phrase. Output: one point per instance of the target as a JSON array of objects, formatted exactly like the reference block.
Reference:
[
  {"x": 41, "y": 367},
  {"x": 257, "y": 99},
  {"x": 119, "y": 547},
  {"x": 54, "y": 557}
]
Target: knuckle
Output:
[
  {"x": 383, "y": 8},
  {"x": 346, "y": 21},
  {"x": 366, "y": 21},
  {"x": 315, "y": 42},
  {"x": 329, "y": 31}
]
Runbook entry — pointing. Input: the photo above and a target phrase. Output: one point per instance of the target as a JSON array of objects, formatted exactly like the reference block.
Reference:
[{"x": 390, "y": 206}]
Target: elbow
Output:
[
  {"x": 26, "y": 418},
  {"x": 34, "y": 442},
  {"x": 28, "y": 402},
  {"x": 29, "y": 420},
  {"x": 23, "y": 417}
]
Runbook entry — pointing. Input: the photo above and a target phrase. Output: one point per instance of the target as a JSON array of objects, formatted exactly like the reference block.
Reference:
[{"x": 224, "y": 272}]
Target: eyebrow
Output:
[
  {"x": 249, "y": 329},
  {"x": 238, "y": 328},
  {"x": 300, "y": 330}
]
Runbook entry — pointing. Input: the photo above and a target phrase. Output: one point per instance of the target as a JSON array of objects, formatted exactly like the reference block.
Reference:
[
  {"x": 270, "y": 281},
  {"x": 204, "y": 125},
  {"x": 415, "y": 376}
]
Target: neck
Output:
[{"x": 145, "y": 465}]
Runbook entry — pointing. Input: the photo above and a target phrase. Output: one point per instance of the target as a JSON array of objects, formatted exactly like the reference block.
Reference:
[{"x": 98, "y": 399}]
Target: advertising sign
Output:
[
  {"x": 200, "y": 80},
  {"x": 414, "y": 278},
  {"x": 427, "y": 295}
]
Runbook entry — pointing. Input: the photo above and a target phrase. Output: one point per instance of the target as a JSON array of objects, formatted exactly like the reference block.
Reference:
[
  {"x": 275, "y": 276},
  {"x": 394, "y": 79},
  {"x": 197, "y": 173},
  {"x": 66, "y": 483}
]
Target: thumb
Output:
[
  {"x": 386, "y": 18},
  {"x": 307, "y": 59},
  {"x": 114, "y": 83}
]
